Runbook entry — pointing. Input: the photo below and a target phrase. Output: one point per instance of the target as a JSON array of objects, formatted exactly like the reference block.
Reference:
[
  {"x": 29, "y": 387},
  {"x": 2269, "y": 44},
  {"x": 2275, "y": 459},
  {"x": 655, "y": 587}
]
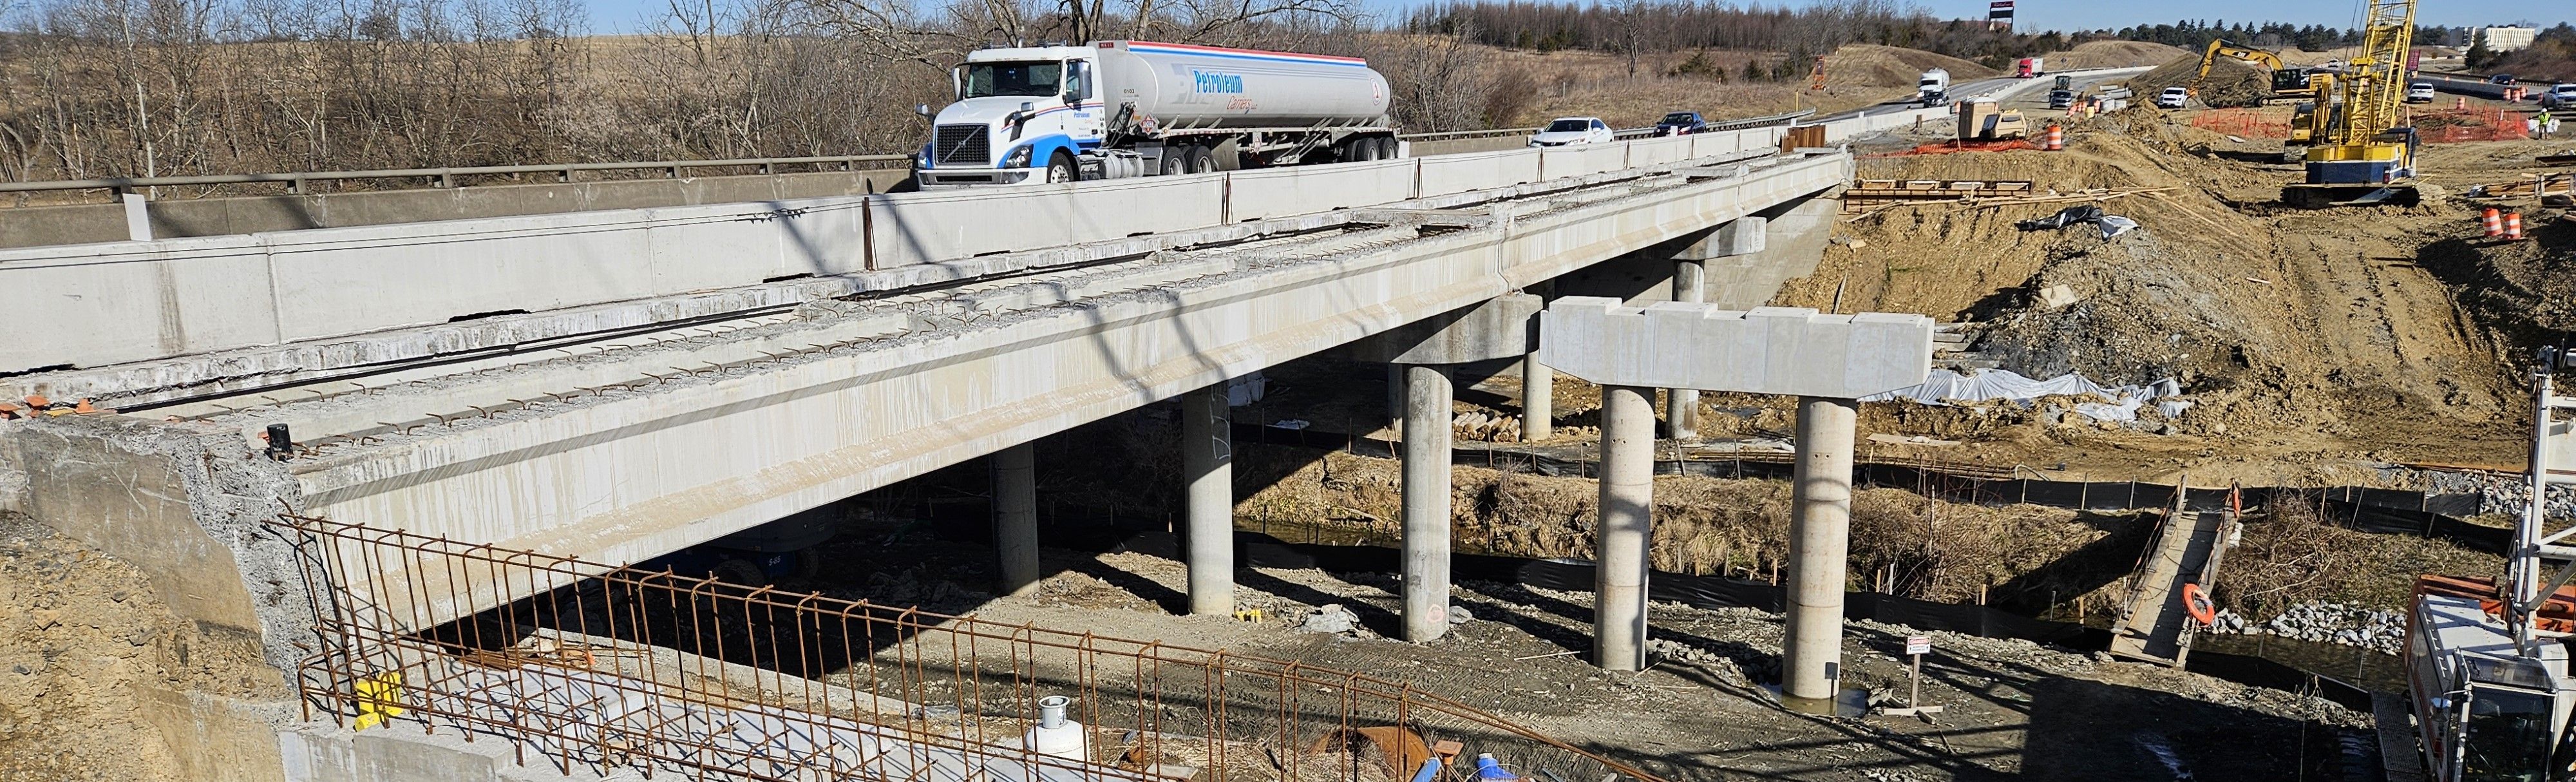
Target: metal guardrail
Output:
[
  {"x": 446, "y": 177},
  {"x": 1464, "y": 134},
  {"x": 300, "y": 182}
]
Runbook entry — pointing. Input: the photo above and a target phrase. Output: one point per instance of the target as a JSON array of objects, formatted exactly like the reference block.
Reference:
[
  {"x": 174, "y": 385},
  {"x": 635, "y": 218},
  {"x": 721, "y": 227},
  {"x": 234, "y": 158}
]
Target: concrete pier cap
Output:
[
  {"x": 1792, "y": 351},
  {"x": 1826, "y": 360}
]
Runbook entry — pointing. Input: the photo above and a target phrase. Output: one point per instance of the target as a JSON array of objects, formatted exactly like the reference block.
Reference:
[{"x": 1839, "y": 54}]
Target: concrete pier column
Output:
[
  {"x": 1015, "y": 516},
  {"x": 1819, "y": 551},
  {"x": 1207, "y": 463},
  {"x": 1426, "y": 503},
  {"x": 1626, "y": 528},
  {"x": 1395, "y": 400},
  {"x": 1538, "y": 400},
  {"x": 1690, "y": 286}
]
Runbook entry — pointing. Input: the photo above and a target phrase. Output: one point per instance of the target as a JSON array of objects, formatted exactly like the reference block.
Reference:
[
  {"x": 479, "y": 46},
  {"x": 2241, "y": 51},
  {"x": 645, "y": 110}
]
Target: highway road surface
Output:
[{"x": 2016, "y": 93}]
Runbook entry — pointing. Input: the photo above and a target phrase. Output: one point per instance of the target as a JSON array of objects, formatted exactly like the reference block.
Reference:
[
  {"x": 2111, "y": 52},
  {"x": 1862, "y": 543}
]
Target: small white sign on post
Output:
[{"x": 1916, "y": 646}]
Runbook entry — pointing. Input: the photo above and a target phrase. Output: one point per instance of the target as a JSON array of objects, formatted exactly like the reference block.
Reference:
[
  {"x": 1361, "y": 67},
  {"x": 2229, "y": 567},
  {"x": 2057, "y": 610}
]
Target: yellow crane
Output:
[{"x": 2363, "y": 156}]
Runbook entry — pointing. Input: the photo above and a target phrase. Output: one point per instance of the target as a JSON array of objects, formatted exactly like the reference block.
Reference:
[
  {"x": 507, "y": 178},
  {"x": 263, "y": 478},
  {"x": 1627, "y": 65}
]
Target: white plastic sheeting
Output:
[{"x": 1944, "y": 387}]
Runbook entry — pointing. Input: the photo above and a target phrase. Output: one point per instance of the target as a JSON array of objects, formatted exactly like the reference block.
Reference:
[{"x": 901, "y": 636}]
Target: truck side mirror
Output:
[
  {"x": 1027, "y": 106},
  {"x": 922, "y": 109}
]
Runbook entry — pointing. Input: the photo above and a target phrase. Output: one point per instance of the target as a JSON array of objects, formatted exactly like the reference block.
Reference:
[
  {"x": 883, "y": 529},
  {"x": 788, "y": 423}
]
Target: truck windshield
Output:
[
  {"x": 1033, "y": 79},
  {"x": 2506, "y": 738}
]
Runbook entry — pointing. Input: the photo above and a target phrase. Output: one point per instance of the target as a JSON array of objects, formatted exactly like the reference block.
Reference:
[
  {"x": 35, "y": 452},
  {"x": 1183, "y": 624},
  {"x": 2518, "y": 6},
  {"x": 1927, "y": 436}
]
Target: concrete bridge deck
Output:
[{"x": 618, "y": 385}]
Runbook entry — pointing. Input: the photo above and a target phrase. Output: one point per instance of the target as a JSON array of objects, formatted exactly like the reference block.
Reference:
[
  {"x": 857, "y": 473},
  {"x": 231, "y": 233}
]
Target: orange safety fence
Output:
[
  {"x": 2244, "y": 123},
  {"x": 2448, "y": 126}
]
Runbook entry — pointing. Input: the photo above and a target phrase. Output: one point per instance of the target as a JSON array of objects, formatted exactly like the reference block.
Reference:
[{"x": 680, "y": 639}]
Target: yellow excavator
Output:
[
  {"x": 2363, "y": 156},
  {"x": 2288, "y": 83}
]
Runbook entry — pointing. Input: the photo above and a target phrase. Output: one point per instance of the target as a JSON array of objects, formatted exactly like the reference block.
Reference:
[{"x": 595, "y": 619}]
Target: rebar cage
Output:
[{"x": 579, "y": 665}]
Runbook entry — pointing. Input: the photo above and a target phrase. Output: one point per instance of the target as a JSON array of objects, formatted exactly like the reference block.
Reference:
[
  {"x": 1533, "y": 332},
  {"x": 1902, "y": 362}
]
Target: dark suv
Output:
[{"x": 1680, "y": 123}]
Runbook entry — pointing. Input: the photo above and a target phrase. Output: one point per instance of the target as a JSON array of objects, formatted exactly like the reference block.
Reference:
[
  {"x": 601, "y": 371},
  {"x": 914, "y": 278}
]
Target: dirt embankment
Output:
[
  {"x": 1862, "y": 64},
  {"x": 2231, "y": 83},
  {"x": 94, "y": 669},
  {"x": 1930, "y": 549},
  {"x": 1594, "y": 84},
  {"x": 2113, "y": 54},
  {"x": 2303, "y": 336}
]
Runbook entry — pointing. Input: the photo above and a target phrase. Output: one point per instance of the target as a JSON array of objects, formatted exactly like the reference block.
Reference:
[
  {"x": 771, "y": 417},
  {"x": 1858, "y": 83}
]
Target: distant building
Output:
[
  {"x": 2454, "y": 37},
  {"x": 2505, "y": 39}
]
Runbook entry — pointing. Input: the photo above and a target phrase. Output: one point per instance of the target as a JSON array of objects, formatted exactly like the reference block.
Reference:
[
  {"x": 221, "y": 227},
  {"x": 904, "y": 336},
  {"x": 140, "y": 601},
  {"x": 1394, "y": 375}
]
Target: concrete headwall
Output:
[{"x": 38, "y": 226}]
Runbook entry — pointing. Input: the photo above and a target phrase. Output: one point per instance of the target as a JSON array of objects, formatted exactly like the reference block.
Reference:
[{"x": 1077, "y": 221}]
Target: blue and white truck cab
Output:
[{"x": 1115, "y": 109}]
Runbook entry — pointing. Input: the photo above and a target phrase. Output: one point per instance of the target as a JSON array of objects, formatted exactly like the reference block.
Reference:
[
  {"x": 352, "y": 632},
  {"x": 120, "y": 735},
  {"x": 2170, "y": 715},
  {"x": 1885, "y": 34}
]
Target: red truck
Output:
[{"x": 2028, "y": 68}]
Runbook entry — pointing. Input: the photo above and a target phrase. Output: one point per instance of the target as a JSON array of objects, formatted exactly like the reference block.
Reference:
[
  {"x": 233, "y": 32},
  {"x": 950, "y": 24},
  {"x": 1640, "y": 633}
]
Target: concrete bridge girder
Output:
[{"x": 635, "y": 474}]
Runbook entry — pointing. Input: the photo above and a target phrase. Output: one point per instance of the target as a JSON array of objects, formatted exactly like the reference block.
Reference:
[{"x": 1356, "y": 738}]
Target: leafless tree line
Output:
[
  {"x": 107, "y": 88},
  {"x": 1632, "y": 27}
]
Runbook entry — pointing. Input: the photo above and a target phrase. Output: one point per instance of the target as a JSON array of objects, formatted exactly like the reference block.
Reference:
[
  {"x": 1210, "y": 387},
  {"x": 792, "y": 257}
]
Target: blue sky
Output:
[{"x": 621, "y": 15}]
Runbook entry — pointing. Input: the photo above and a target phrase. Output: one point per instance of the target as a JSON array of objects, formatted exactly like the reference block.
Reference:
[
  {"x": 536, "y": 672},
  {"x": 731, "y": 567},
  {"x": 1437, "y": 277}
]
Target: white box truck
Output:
[
  {"x": 1933, "y": 88},
  {"x": 1117, "y": 109}
]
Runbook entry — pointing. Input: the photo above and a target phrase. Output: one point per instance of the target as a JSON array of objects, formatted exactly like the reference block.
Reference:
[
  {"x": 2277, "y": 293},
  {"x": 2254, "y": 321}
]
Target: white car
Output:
[
  {"x": 1573, "y": 130},
  {"x": 2419, "y": 92},
  {"x": 2172, "y": 98}
]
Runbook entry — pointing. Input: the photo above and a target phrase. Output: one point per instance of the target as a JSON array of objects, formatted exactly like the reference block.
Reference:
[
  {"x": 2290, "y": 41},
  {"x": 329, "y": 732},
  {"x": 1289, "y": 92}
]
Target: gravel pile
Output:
[
  {"x": 2323, "y": 622},
  {"x": 2509, "y": 496}
]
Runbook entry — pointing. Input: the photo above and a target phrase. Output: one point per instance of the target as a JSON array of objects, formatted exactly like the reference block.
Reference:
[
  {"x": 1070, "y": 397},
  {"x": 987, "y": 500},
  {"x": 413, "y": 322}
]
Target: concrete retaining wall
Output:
[{"x": 117, "y": 302}]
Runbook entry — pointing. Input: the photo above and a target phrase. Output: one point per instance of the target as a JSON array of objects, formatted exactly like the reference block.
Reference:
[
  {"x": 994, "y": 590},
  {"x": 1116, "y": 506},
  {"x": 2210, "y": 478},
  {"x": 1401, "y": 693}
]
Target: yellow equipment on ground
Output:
[
  {"x": 2288, "y": 83},
  {"x": 2317, "y": 109},
  {"x": 1986, "y": 120},
  {"x": 2363, "y": 156},
  {"x": 2224, "y": 48}
]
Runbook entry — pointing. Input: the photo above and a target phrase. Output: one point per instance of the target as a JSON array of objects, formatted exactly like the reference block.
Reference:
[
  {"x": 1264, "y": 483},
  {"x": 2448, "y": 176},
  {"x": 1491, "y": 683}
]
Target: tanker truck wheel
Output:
[
  {"x": 1060, "y": 169},
  {"x": 1201, "y": 160},
  {"x": 1173, "y": 162}
]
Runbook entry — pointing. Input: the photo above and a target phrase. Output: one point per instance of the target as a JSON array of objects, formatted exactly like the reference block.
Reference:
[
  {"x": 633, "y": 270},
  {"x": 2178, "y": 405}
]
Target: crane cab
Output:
[{"x": 2484, "y": 712}]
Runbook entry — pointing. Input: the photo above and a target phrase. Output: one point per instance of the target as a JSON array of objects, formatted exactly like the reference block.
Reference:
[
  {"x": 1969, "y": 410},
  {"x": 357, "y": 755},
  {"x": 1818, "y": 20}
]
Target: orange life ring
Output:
[{"x": 2197, "y": 603}]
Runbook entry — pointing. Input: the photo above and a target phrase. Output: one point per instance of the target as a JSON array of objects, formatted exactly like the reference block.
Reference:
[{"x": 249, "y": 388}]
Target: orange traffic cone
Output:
[
  {"x": 2493, "y": 222},
  {"x": 2513, "y": 226}
]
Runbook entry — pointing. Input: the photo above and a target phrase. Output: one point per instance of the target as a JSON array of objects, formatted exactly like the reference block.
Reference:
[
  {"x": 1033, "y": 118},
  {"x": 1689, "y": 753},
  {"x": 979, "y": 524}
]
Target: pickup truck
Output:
[{"x": 2559, "y": 98}]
